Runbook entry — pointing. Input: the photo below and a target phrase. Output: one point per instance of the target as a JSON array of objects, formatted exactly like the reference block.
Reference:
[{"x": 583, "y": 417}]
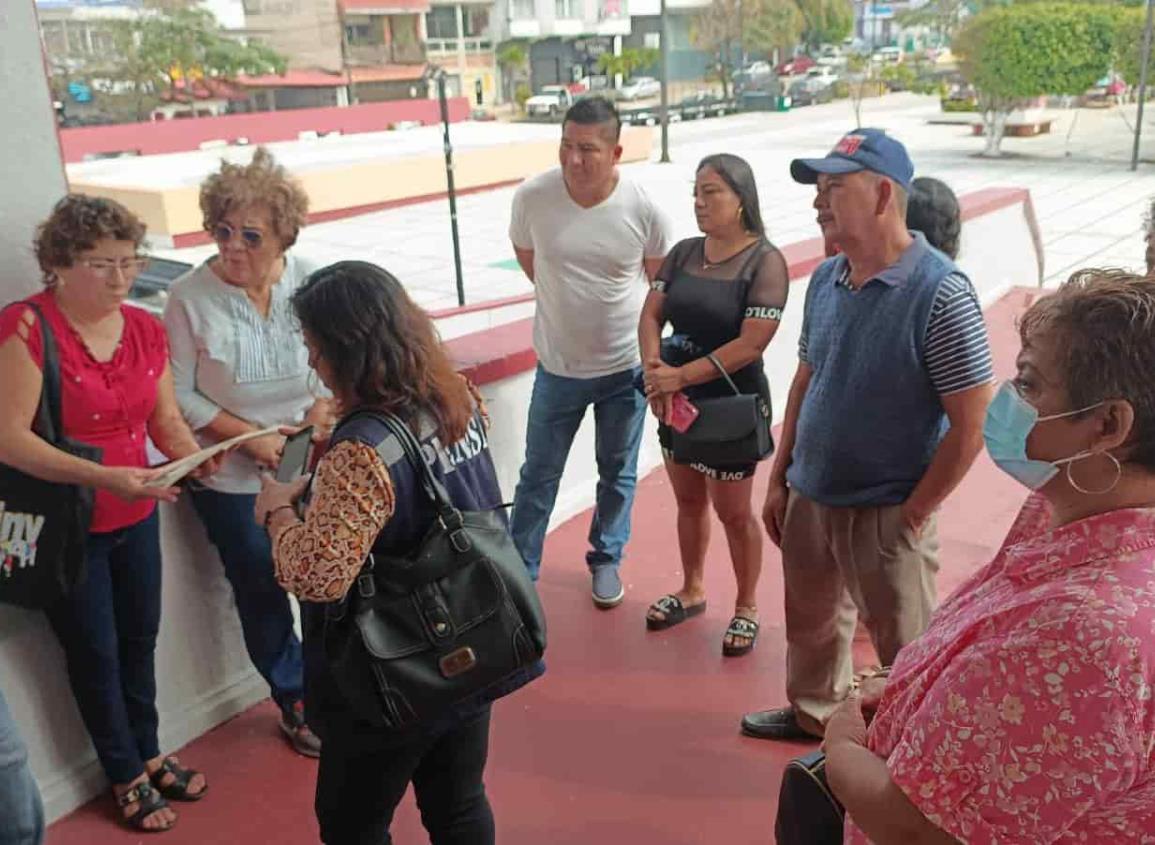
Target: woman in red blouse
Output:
[{"x": 116, "y": 393}]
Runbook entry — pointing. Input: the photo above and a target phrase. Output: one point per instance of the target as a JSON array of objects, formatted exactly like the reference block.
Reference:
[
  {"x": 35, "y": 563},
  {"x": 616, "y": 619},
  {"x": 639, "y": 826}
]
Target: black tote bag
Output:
[
  {"x": 455, "y": 619},
  {"x": 43, "y": 524}
]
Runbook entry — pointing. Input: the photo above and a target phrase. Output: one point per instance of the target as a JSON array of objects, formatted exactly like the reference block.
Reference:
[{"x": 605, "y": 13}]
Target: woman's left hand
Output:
[
  {"x": 846, "y": 724},
  {"x": 662, "y": 379},
  {"x": 275, "y": 495},
  {"x": 322, "y": 416}
]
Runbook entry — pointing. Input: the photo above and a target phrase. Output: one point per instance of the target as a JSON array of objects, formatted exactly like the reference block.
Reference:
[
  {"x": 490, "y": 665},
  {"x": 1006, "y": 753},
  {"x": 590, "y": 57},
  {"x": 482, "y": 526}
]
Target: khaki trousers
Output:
[{"x": 839, "y": 563}]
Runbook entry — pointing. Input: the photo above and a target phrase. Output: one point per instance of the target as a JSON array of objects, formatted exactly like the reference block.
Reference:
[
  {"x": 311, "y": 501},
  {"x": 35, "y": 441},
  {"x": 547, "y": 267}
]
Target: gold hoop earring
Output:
[{"x": 1108, "y": 489}]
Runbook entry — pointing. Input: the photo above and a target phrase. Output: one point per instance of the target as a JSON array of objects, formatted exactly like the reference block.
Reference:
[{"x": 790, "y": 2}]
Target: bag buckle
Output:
[
  {"x": 366, "y": 586},
  {"x": 457, "y": 662},
  {"x": 460, "y": 541}
]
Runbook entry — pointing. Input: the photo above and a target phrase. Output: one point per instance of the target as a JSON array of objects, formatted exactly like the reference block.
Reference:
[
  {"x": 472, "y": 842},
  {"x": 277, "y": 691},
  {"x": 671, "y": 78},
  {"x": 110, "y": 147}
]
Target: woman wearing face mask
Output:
[
  {"x": 1025, "y": 713},
  {"x": 723, "y": 294}
]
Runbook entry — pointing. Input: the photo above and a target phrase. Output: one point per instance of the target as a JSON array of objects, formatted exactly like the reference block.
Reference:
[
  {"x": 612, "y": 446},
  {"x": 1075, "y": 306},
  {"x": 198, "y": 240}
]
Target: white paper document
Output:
[{"x": 175, "y": 471}]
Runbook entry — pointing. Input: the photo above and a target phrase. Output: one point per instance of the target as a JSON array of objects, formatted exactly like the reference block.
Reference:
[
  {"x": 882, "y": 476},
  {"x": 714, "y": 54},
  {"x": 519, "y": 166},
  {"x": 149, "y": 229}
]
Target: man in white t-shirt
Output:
[{"x": 590, "y": 240}]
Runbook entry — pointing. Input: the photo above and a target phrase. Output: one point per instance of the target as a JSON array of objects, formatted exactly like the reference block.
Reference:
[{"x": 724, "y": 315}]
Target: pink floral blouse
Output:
[{"x": 1025, "y": 713}]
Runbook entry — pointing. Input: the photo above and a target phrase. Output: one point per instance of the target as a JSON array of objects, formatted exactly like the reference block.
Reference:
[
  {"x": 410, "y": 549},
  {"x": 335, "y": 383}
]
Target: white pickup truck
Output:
[{"x": 552, "y": 101}]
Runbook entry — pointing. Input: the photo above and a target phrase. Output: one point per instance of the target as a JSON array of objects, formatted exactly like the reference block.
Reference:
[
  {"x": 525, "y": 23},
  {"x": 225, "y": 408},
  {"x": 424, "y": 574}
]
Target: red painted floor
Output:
[{"x": 631, "y": 738}]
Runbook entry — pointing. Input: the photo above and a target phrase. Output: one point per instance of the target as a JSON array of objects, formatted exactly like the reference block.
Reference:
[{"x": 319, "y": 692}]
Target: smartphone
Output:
[
  {"x": 295, "y": 455},
  {"x": 682, "y": 413}
]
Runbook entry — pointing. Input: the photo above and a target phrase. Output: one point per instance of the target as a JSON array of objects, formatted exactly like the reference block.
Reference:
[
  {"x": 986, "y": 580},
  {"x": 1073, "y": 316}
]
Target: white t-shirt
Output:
[{"x": 588, "y": 272}]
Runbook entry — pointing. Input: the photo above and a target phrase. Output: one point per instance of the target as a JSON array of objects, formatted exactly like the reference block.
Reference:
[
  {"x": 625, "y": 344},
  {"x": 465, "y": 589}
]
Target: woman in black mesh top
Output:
[{"x": 722, "y": 293}]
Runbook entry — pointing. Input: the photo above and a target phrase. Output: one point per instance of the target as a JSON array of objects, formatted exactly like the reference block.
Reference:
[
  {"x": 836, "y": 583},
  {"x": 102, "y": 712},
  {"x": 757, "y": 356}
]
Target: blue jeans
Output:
[
  {"x": 556, "y": 410},
  {"x": 21, "y": 813},
  {"x": 107, "y": 627},
  {"x": 266, "y": 617}
]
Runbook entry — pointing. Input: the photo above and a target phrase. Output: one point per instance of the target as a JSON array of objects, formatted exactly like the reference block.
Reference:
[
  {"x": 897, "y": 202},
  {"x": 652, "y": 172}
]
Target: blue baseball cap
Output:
[{"x": 862, "y": 149}]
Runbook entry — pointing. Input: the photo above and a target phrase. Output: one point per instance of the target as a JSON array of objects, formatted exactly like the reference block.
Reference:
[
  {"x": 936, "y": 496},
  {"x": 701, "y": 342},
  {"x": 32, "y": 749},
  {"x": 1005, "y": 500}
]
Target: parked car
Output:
[
  {"x": 822, "y": 74},
  {"x": 552, "y": 101},
  {"x": 704, "y": 104},
  {"x": 641, "y": 88},
  {"x": 807, "y": 92},
  {"x": 831, "y": 56},
  {"x": 887, "y": 56},
  {"x": 795, "y": 66},
  {"x": 753, "y": 77}
]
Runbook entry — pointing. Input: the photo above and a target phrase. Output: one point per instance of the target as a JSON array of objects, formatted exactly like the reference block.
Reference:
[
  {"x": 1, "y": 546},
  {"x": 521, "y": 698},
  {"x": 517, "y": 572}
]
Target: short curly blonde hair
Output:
[
  {"x": 260, "y": 182},
  {"x": 77, "y": 223}
]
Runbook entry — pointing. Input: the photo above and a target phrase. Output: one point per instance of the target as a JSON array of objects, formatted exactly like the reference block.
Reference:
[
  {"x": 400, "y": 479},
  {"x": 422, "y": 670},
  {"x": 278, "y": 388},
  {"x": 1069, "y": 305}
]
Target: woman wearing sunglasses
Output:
[
  {"x": 240, "y": 364},
  {"x": 116, "y": 393}
]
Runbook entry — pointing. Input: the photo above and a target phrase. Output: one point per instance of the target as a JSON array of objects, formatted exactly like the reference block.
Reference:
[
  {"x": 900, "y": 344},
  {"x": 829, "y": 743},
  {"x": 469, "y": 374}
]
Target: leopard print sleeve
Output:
[{"x": 319, "y": 558}]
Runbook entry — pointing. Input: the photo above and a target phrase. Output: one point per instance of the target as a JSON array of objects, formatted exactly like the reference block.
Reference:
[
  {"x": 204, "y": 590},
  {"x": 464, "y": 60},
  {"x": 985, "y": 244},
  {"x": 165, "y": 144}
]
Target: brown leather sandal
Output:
[
  {"x": 150, "y": 801},
  {"x": 177, "y": 788}
]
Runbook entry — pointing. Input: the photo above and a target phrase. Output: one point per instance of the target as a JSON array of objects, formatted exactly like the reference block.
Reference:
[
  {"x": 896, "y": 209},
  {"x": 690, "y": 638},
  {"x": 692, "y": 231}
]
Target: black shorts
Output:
[{"x": 729, "y": 472}]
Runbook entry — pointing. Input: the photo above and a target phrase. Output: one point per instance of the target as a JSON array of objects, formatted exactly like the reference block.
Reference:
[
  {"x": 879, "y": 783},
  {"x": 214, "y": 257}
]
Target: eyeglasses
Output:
[
  {"x": 252, "y": 238},
  {"x": 106, "y": 268}
]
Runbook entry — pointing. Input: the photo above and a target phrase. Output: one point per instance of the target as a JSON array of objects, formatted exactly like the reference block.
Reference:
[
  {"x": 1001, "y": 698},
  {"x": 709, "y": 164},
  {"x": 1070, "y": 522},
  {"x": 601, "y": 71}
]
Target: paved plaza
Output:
[{"x": 1090, "y": 205}]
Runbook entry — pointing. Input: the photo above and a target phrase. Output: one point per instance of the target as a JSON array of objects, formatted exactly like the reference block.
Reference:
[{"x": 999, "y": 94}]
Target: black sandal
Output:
[
  {"x": 177, "y": 788},
  {"x": 673, "y": 612},
  {"x": 740, "y": 626},
  {"x": 150, "y": 801}
]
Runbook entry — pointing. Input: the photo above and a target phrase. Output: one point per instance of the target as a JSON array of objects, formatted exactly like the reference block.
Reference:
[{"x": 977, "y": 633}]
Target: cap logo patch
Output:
[{"x": 849, "y": 144}]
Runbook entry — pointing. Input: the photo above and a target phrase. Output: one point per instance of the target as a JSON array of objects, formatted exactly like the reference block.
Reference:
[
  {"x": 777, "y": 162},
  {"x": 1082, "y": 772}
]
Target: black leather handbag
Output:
[
  {"x": 43, "y": 524},
  {"x": 808, "y": 812},
  {"x": 728, "y": 430},
  {"x": 456, "y": 620}
]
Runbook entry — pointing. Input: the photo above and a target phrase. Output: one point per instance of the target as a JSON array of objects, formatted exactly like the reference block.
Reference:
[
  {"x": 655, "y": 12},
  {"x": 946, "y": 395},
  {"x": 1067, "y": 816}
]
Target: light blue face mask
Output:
[{"x": 1010, "y": 419}]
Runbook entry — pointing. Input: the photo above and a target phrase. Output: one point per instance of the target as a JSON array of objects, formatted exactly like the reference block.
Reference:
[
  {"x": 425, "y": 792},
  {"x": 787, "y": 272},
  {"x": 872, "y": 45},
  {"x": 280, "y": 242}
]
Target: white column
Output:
[
  {"x": 30, "y": 165},
  {"x": 617, "y": 52},
  {"x": 461, "y": 61}
]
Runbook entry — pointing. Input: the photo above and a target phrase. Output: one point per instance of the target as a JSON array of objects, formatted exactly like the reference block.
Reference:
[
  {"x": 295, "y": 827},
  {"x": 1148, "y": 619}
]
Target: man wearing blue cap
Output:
[{"x": 883, "y": 420}]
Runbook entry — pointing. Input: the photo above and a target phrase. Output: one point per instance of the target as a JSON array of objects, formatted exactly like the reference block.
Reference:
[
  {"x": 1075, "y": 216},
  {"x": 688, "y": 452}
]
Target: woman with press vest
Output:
[{"x": 379, "y": 354}]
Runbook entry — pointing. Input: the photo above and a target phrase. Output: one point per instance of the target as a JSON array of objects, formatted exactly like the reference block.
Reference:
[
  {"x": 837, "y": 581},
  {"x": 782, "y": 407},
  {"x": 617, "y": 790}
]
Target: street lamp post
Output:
[
  {"x": 449, "y": 184},
  {"x": 1142, "y": 84},
  {"x": 664, "y": 46}
]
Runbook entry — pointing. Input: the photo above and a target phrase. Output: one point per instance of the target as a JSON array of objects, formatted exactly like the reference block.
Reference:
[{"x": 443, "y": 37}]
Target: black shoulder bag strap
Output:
[
  {"x": 718, "y": 364},
  {"x": 448, "y": 516},
  {"x": 48, "y": 422}
]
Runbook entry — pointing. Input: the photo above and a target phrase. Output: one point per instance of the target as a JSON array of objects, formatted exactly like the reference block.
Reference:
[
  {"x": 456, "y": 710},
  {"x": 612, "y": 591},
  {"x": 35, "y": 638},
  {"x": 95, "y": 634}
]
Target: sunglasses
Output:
[
  {"x": 106, "y": 268},
  {"x": 252, "y": 238}
]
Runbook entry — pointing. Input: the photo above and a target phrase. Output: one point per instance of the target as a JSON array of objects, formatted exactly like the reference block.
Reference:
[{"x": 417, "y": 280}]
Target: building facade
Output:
[{"x": 460, "y": 39}]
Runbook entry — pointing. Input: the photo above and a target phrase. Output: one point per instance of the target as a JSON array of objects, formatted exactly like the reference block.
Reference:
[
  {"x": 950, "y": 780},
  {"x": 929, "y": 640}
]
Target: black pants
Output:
[{"x": 359, "y": 787}]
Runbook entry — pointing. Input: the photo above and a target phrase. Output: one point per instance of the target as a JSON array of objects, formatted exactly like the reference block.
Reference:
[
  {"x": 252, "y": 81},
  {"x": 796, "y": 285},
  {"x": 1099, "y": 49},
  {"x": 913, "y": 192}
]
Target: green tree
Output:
[
  {"x": 861, "y": 79},
  {"x": 946, "y": 17},
  {"x": 631, "y": 60},
  {"x": 1022, "y": 51},
  {"x": 1129, "y": 27},
  {"x": 729, "y": 27},
  {"x": 513, "y": 59},
  {"x": 825, "y": 21},
  {"x": 165, "y": 50}
]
